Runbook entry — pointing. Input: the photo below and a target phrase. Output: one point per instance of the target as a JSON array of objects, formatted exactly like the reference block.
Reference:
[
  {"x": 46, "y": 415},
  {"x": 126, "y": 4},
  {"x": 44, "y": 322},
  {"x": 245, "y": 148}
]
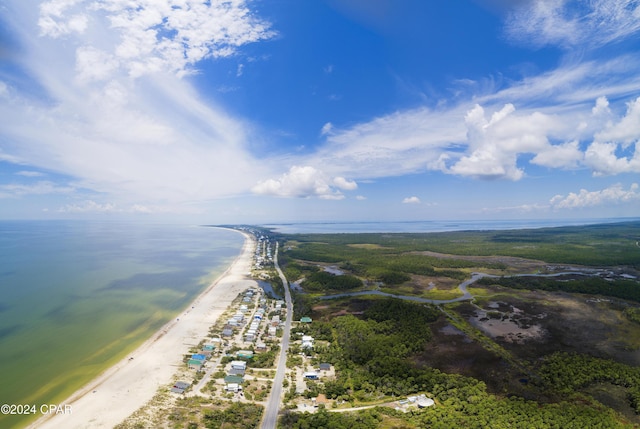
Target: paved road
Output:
[{"x": 270, "y": 417}]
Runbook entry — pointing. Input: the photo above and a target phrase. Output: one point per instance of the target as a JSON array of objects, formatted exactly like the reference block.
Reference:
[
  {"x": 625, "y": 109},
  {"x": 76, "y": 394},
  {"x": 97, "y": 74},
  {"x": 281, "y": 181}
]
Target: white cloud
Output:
[
  {"x": 601, "y": 107},
  {"x": 27, "y": 173},
  {"x": 605, "y": 155},
  {"x": 94, "y": 64},
  {"x": 627, "y": 130},
  {"x": 411, "y": 200},
  {"x": 521, "y": 209},
  {"x": 488, "y": 141},
  {"x": 396, "y": 144},
  {"x": 326, "y": 129},
  {"x": 602, "y": 159},
  {"x": 154, "y": 35},
  {"x": 569, "y": 23},
  {"x": 555, "y": 109},
  {"x": 89, "y": 206},
  {"x": 612, "y": 195},
  {"x": 119, "y": 120},
  {"x": 116, "y": 117},
  {"x": 39, "y": 188},
  {"x": 342, "y": 183},
  {"x": 303, "y": 182},
  {"x": 495, "y": 143},
  {"x": 54, "y": 23},
  {"x": 566, "y": 155}
]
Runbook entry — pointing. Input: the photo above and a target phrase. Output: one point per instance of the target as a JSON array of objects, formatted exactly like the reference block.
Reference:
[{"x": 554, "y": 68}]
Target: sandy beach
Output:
[{"x": 132, "y": 382}]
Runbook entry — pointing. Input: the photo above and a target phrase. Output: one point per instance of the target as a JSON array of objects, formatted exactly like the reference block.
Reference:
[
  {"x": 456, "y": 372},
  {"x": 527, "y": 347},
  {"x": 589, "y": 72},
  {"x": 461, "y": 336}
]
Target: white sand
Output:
[{"x": 124, "y": 388}]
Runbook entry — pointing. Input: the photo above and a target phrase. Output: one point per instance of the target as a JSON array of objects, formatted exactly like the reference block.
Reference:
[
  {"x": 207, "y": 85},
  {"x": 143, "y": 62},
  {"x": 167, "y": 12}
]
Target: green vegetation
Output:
[
  {"x": 624, "y": 289},
  {"x": 372, "y": 355},
  {"x": 322, "y": 280},
  {"x": 237, "y": 416},
  {"x": 374, "y": 343},
  {"x": 608, "y": 244},
  {"x": 265, "y": 359},
  {"x": 632, "y": 313},
  {"x": 382, "y": 348},
  {"x": 383, "y": 264},
  {"x": 566, "y": 373},
  {"x": 294, "y": 270},
  {"x": 325, "y": 419},
  {"x": 482, "y": 411}
]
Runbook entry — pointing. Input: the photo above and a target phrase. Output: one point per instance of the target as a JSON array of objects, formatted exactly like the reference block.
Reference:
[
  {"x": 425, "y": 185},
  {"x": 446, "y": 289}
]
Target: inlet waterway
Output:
[{"x": 466, "y": 295}]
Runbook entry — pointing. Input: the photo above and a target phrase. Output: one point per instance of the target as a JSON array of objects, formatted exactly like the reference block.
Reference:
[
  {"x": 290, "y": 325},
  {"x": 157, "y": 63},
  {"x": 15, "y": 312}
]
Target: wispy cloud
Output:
[
  {"x": 39, "y": 188},
  {"x": 565, "y": 116},
  {"x": 112, "y": 107},
  {"x": 565, "y": 23},
  {"x": 28, "y": 173},
  {"x": 118, "y": 115},
  {"x": 411, "y": 200},
  {"x": 91, "y": 206},
  {"x": 555, "y": 119},
  {"x": 400, "y": 143}
]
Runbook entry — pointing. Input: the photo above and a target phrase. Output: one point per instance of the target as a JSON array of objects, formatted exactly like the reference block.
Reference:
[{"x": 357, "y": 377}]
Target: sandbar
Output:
[{"x": 125, "y": 387}]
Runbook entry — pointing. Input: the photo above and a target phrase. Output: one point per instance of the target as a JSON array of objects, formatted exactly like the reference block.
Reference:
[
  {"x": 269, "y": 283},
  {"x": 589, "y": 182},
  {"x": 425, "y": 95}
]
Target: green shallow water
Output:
[{"x": 76, "y": 297}]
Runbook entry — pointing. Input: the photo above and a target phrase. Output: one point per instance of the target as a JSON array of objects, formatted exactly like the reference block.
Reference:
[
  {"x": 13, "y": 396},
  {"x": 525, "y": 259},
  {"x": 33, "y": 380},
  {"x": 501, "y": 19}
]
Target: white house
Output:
[
  {"x": 239, "y": 364},
  {"x": 233, "y": 387},
  {"x": 311, "y": 375},
  {"x": 307, "y": 342}
]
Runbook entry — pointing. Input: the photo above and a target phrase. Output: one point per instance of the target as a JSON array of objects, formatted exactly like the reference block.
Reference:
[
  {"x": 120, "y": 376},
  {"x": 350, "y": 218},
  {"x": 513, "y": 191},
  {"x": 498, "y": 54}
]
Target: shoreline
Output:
[{"x": 128, "y": 385}]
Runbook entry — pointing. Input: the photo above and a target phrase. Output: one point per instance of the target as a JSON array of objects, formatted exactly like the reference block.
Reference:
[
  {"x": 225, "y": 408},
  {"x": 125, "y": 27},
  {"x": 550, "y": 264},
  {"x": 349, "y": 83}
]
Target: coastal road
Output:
[{"x": 270, "y": 417}]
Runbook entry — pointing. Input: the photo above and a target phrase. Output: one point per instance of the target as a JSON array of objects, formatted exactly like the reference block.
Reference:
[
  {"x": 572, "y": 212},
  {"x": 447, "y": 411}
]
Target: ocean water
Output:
[
  {"x": 76, "y": 297},
  {"x": 431, "y": 226}
]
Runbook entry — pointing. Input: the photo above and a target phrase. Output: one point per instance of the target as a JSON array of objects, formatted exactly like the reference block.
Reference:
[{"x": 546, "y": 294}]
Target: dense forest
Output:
[
  {"x": 323, "y": 281},
  {"x": 594, "y": 245},
  {"x": 624, "y": 289},
  {"x": 377, "y": 345},
  {"x": 372, "y": 353}
]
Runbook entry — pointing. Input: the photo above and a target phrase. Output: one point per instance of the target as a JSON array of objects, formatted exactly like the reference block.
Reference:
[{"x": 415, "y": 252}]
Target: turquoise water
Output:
[{"x": 78, "y": 296}]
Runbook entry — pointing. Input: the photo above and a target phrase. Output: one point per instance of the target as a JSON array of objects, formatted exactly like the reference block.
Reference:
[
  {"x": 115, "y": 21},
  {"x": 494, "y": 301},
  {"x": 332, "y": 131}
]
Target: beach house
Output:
[
  {"x": 244, "y": 354},
  {"x": 307, "y": 342},
  {"x": 195, "y": 364},
  {"x": 179, "y": 387},
  {"x": 238, "y": 365},
  {"x": 311, "y": 375},
  {"x": 233, "y": 387}
]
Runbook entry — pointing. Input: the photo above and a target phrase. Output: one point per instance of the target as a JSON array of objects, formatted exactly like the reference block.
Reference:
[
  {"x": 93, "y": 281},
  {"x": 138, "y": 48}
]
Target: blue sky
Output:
[{"x": 319, "y": 110}]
